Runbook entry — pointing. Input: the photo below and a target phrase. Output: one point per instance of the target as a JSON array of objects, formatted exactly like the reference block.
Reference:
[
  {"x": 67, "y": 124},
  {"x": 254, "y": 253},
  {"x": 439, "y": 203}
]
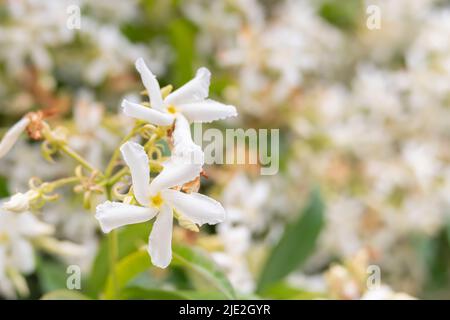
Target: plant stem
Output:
[
  {"x": 71, "y": 153},
  {"x": 113, "y": 253},
  {"x": 112, "y": 162},
  {"x": 113, "y": 257},
  {"x": 117, "y": 176},
  {"x": 62, "y": 182}
]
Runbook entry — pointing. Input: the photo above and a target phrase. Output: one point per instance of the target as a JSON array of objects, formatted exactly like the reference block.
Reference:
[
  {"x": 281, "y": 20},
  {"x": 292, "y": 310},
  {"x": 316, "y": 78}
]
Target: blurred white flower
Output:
[
  {"x": 245, "y": 202},
  {"x": 12, "y": 135},
  {"x": 384, "y": 292},
  {"x": 20, "y": 202},
  {"x": 18, "y": 234}
]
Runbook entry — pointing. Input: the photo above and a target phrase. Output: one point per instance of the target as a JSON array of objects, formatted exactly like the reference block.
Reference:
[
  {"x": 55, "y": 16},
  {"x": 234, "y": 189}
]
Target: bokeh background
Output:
[{"x": 364, "y": 119}]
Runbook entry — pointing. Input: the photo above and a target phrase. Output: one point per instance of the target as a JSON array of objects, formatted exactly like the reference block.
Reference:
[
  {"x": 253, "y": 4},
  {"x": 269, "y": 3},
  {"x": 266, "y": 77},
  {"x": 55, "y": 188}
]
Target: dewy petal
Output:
[
  {"x": 22, "y": 255},
  {"x": 137, "y": 160},
  {"x": 151, "y": 84},
  {"x": 195, "y": 90},
  {"x": 29, "y": 226},
  {"x": 207, "y": 111},
  {"x": 150, "y": 115},
  {"x": 160, "y": 242},
  {"x": 198, "y": 208},
  {"x": 112, "y": 215},
  {"x": 10, "y": 138}
]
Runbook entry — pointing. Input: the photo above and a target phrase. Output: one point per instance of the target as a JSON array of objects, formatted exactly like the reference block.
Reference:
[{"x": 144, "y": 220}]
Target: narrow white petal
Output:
[
  {"x": 198, "y": 208},
  {"x": 137, "y": 160},
  {"x": 160, "y": 242},
  {"x": 196, "y": 89},
  {"x": 207, "y": 111},
  {"x": 30, "y": 227},
  {"x": 150, "y": 115},
  {"x": 186, "y": 161},
  {"x": 176, "y": 172},
  {"x": 10, "y": 138},
  {"x": 150, "y": 83},
  {"x": 22, "y": 255},
  {"x": 112, "y": 215},
  {"x": 184, "y": 146},
  {"x": 62, "y": 248}
]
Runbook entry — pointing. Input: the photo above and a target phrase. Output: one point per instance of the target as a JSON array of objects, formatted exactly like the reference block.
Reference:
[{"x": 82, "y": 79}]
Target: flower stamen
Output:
[
  {"x": 157, "y": 200},
  {"x": 171, "y": 109}
]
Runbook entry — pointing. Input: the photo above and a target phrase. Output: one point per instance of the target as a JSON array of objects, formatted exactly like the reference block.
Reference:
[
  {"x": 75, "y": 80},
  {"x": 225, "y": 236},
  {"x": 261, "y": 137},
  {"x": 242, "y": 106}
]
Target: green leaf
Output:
[
  {"x": 130, "y": 239},
  {"x": 136, "y": 293},
  {"x": 197, "y": 261},
  {"x": 283, "y": 291},
  {"x": 52, "y": 275},
  {"x": 182, "y": 38},
  {"x": 343, "y": 14},
  {"x": 4, "y": 191},
  {"x": 296, "y": 244},
  {"x": 127, "y": 268},
  {"x": 64, "y": 295}
]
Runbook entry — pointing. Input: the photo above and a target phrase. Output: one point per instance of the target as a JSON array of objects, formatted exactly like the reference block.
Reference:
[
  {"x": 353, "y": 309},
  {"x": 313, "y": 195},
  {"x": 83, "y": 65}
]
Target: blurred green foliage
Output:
[{"x": 296, "y": 244}]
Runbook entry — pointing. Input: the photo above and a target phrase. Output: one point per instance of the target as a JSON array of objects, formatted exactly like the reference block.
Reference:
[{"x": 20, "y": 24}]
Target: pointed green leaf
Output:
[{"x": 296, "y": 244}]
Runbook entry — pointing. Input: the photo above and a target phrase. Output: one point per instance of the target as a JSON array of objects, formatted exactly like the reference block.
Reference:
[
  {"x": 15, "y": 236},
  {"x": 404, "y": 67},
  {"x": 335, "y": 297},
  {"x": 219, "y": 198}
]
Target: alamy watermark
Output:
[
  {"x": 374, "y": 277},
  {"x": 240, "y": 146},
  {"x": 373, "y": 21},
  {"x": 73, "y": 281},
  {"x": 74, "y": 17}
]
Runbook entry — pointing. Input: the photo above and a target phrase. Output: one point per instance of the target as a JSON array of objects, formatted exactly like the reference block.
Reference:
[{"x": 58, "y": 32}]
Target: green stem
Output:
[
  {"x": 62, "y": 182},
  {"x": 116, "y": 154},
  {"x": 113, "y": 258},
  {"x": 113, "y": 254},
  {"x": 71, "y": 153},
  {"x": 115, "y": 178}
]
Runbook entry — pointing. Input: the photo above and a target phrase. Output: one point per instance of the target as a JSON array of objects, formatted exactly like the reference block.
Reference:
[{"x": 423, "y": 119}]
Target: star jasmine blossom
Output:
[
  {"x": 190, "y": 100},
  {"x": 157, "y": 199}
]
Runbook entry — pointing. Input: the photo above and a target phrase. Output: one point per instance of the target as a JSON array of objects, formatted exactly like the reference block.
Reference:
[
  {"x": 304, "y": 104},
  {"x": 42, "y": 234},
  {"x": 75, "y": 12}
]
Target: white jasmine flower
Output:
[
  {"x": 157, "y": 199},
  {"x": 13, "y": 134},
  {"x": 246, "y": 202},
  {"x": 17, "y": 231},
  {"x": 190, "y": 100},
  {"x": 20, "y": 202}
]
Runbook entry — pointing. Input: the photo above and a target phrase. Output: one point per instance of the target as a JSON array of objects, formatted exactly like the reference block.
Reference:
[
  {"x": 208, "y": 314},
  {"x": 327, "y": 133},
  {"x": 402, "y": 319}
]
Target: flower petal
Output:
[
  {"x": 186, "y": 161},
  {"x": 10, "y": 138},
  {"x": 151, "y": 84},
  {"x": 207, "y": 111},
  {"x": 184, "y": 146},
  {"x": 195, "y": 90},
  {"x": 160, "y": 242},
  {"x": 150, "y": 115},
  {"x": 112, "y": 215},
  {"x": 137, "y": 160},
  {"x": 195, "y": 206},
  {"x": 22, "y": 255},
  {"x": 30, "y": 227},
  {"x": 176, "y": 172},
  {"x": 17, "y": 203}
]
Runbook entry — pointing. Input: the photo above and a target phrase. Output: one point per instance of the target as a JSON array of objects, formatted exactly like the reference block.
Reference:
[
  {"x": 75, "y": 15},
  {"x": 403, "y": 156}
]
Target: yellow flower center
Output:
[
  {"x": 171, "y": 109},
  {"x": 4, "y": 237},
  {"x": 157, "y": 200}
]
